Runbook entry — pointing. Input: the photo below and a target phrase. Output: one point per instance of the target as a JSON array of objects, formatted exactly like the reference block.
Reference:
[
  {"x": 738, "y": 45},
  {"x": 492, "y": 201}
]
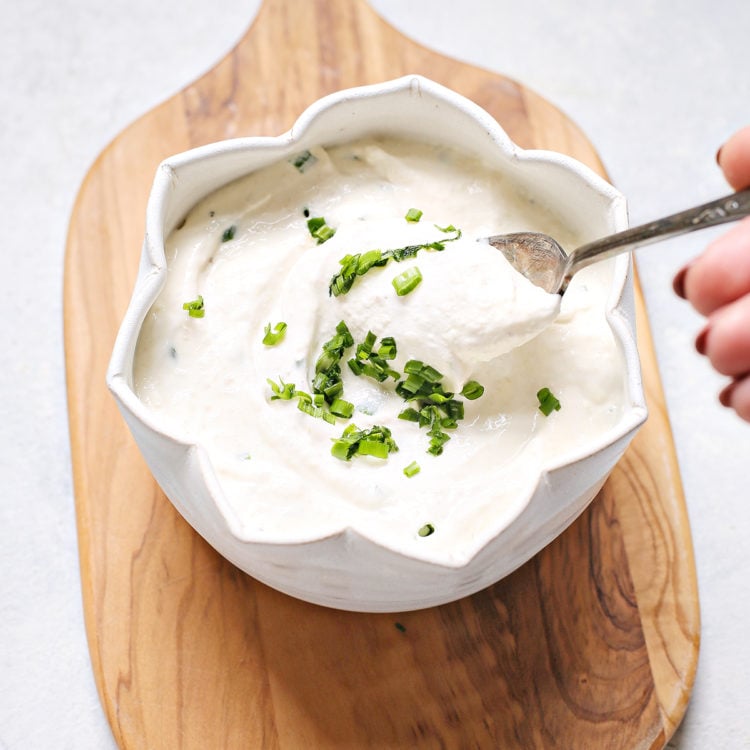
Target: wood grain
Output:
[{"x": 592, "y": 644}]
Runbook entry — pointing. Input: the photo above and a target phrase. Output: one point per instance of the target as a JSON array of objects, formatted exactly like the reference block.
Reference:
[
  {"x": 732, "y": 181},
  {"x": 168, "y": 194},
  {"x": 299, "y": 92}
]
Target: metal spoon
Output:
[{"x": 543, "y": 262}]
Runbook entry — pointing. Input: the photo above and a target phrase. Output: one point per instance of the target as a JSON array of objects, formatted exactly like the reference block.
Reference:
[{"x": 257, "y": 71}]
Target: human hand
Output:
[{"x": 717, "y": 285}]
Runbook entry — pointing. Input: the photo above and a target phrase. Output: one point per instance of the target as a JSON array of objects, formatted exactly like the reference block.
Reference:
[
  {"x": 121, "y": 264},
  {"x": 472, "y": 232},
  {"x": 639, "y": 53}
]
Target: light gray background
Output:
[{"x": 657, "y": 87}]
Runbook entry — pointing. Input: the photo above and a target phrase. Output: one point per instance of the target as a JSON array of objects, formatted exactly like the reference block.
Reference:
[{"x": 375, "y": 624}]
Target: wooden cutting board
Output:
[{"x": 592, "y": 644}]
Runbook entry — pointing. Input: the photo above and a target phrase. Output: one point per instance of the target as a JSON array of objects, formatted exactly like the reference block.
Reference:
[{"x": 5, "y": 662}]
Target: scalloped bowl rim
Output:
[{"x": 153, "y": 271}]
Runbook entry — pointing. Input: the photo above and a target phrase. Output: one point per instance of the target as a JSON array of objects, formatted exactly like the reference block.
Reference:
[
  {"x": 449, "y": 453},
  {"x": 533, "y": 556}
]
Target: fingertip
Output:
[
  {"x": 726, "y": 339},
  {"x": 736, "y": 396},
  {"x": 734, "y": 159},
  {"x": 701, "y": 341},
  {"x": 678, "y": 283},
  {"x": 725, "y": 394},
  {"x": 721, "y": 274}
]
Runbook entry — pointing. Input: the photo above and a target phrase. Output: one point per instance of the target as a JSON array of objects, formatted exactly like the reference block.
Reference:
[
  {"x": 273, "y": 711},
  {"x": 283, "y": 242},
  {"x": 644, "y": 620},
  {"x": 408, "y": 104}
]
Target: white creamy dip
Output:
[{"x": 472, "y": 317}]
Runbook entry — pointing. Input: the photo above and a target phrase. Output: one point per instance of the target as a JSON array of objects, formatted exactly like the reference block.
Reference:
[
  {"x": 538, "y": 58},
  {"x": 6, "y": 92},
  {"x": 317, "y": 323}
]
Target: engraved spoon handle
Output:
[{"x": 720, "y": 211}]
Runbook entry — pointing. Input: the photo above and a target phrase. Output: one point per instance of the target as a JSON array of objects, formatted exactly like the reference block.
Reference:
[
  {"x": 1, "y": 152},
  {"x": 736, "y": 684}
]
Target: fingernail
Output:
[
  {"x": 725, "y": 396},
  {"x": 678, "y": 283},
  {"x": 718, "y": 155},
  {"x": 700, "y": 341}
]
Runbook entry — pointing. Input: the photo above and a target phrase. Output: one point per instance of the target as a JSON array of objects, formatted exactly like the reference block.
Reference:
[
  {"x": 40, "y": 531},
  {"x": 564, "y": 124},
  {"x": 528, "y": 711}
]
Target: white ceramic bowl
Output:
[{"x": 345, "y": 568}]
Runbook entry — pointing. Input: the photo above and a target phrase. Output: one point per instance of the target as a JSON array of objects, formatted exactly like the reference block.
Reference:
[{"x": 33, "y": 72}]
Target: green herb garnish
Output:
[
  {"x": 426, "y": 530},
  {"x": 324, "y": 402},
  {"x": 274, "y": 337},
  {"x": 319, "y": 229},
  {"x": 436, "y": 409},
  {"x": 359, "y": 264},
  {"x": 364, "y": 350},
  {"x": 375, "y": 364},
  {"x": 547, "y": 402},
  {"x": 228, "y": 233},
  {"x": 409, "y": 414},
  {"x": 342, "y": 408},
  {"x": 412, "y": 469},
  {"x": 472, "y": 390},
  {"x": 387, "y": 348},
  {"x": 195, "y": 309},
  {"x": 400, "y": 627},
  {"x": 307, "y": 405},
  {"x": 327, "y": 381},
  {"x": 281, "y": 390},
  {"x": 313, "y": 405},
  {"x": 303, "y": 160},
  {"x": 376, "y": 442},
  {"x": 413, "y": 215},
  {"x": 407, "y": 281}
]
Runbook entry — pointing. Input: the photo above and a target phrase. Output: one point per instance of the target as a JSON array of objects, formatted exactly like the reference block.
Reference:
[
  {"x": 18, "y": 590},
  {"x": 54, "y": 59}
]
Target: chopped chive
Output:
[
  {"x": 437, "y": 441},
  {"x": 438, "y": 397},
  {"x": 374, "y": 372},
  {"x": 372, "y": 448},
  {"x": 365, "y": 348},
  {"x": 387, "y": 349},
  {"x": 409, "y": 414},
  {"x": 430, "y": 374},
  {"x": 373, "y": 365},
  {"x": 195, "y": 308},
  {"x": 376, "y": 442},
  {"x": 282, "y": 390},
  {"x": 547, "y": 402},
  {"x": 274, "y": 337},
  {"x": 454, "y": 409},
  {"x": 413, "y": 215},
  {"x": 228, "y": 233},
  {"x": 342, "y": 408},
  {"x": 437, "y": 409},
  {"x": 412, "y": 384},
  {"x": 412, "y": 469},
  {"x": 315, "y": 411},
  {"x": 319, "y": 229},
  {"x": 367, "y": 260},
  {"x": 342, "y": 450},
  {"x": 326, "y": 361},
  {"x": 472, "y": 390},
  {"x": 426, "y": 530},
  {"x": 324, "y": 233},
  {"x": 327, "y": 379},
  {"x": 407, "y": 281},
  {"x": 355, "y": 366},
  {"x": 400, "y": 627},
  {"x": 303, "y": 160},
  {"x": 358, "y": 264},
  {"x": 333, "y": 387}
]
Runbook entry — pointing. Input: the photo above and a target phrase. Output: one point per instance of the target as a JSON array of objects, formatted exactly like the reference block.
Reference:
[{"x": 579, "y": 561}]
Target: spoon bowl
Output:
[{"x": 542, "y": 260}]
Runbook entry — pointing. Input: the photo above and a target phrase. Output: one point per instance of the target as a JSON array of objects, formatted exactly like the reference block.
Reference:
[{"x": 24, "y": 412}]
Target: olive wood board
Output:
[{"x": 591, "y": 644}]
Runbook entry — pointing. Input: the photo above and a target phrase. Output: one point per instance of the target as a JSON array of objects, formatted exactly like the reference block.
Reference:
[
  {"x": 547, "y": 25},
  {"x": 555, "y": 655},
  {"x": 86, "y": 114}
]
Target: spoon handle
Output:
[{"x": 729, "y": 208}]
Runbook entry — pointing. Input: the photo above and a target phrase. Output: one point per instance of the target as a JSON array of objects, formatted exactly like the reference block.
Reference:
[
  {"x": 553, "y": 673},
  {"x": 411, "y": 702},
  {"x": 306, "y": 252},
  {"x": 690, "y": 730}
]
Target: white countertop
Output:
[{"x": 655, "y": 89}]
